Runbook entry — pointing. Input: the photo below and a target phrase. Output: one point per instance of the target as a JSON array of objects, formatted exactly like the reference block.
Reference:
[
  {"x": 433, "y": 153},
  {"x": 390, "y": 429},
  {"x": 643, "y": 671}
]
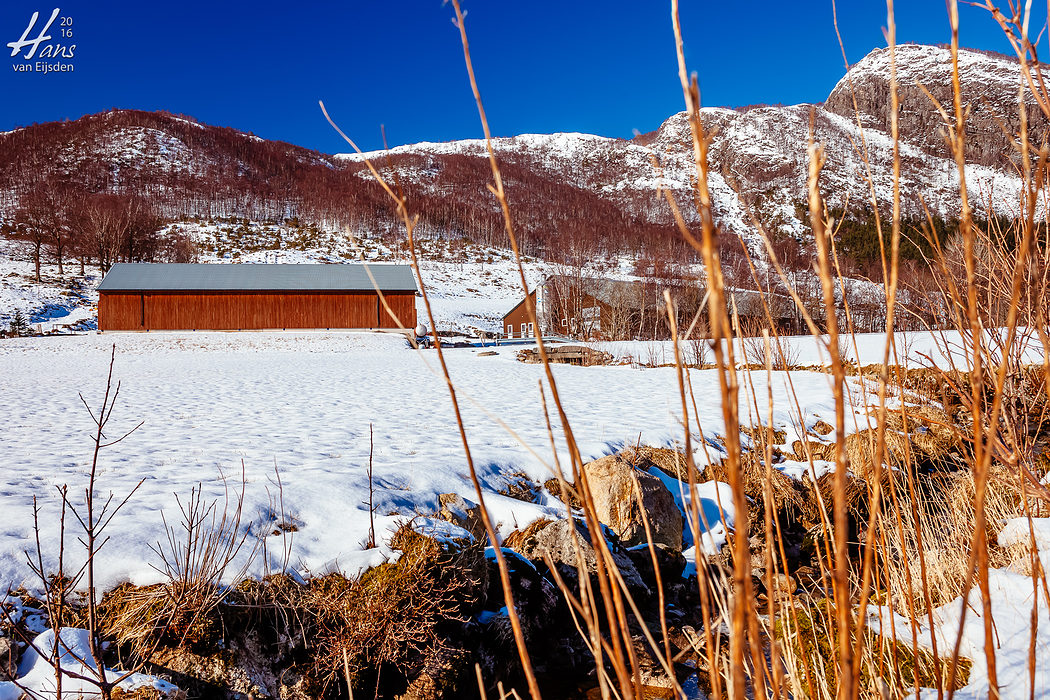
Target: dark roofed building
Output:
[
  {"x": 601, "y": 308},
  {"x": 184, "y": 296},
  {"x": 588, "y": 307}
]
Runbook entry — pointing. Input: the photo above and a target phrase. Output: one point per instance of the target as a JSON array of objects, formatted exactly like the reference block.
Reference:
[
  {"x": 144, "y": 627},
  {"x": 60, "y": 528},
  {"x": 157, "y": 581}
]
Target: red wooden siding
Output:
[
  {"x": 122, "y": 311},
  {"x": 515, "y": 317},
  {"x": 119, "y": 311}
]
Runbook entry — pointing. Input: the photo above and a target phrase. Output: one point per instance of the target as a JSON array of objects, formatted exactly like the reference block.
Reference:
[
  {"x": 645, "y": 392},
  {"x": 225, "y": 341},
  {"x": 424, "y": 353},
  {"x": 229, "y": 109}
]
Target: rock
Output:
[
  {"x": 246, "y": 668},
  {"x": 555, "y": 539},
  {"x": 812, "y": 580},
  {"x": 757, "y": 547},
  {"x": 655, "y": 681},
  {"x": 782, "y": 590},
  {"x": 822, "y": 428},
  {"x": 612, "y": 482},
  {"x": 442, "y": 669},
  {"x": 466, "y": 514},
  {"x": 567, "y": 354},
  {"x": 670, "y": 561},
  {"x": 784, "y": 584},
  {"x": 535, "y": 598}
]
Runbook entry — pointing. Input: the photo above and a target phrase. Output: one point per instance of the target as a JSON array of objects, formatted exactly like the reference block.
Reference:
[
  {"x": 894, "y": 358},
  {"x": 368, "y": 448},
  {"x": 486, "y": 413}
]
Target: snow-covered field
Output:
[
  {"x": 944, "y": 349},
  {"x": 302, "y": 403}
]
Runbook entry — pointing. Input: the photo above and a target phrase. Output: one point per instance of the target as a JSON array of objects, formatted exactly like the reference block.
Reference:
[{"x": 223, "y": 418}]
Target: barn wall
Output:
[
  {"x": 119, "y": 311},
  {"x": 248, "y": 310},
  {"x": 404, "y": 305}
]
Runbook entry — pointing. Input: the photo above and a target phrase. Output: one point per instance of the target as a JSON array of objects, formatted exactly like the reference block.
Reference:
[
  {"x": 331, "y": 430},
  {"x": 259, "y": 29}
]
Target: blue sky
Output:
[{"x": 602, "y": 66}]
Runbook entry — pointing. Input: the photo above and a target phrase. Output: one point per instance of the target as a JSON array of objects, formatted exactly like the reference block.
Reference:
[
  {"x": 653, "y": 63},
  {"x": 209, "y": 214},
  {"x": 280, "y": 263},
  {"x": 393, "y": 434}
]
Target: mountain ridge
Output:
[{"x": 602, "y": 192}]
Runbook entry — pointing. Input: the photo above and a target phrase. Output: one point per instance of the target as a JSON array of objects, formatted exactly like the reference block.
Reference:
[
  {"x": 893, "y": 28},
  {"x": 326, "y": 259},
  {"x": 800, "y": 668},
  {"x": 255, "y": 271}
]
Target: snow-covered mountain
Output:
[
  {"x": 570, "y": 186},
  {"x": 758, "y": 155}
]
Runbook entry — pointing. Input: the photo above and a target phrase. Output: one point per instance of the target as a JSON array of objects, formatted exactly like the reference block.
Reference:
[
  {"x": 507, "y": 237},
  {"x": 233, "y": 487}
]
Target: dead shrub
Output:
[
  {"x": 860, "y": 448},
  {"x": 516, "y": 539},
  {"x": 855, "y": 494},
  {"x": 807, "y": 637},
  {"x": 394, "y": 613},
  {"x": 789, "y": 496},
  {"x": 783, "y": 355},
  {"x": 196, "y": 559},
  {"x": 519, "y": 487},
  {"x": 668, "y": 460},
  {"x": 763, "y": 435},
  {"x": 944, "y": 510},
  {"x": 819, "y": 451},
  {"x": 822, "y": 428},
  {"x": 174, "y": 612}
]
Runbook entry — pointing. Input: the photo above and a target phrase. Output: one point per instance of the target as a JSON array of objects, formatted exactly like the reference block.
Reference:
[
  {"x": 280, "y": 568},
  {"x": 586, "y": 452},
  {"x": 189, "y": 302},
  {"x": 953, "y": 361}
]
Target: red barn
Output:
[{"x": 184, "y": 296}]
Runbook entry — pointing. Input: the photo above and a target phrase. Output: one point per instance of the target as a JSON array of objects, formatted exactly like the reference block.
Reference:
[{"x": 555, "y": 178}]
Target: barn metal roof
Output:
[{"x": 194, "y": 277}]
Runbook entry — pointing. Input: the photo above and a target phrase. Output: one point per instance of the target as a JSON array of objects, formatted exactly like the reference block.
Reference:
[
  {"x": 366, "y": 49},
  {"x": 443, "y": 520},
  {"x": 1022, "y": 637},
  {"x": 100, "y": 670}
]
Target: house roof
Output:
[
  {"x": 193, "y": 277},
  {"x": 519, "y": 305},
  {"x": 608, "y": 291}
]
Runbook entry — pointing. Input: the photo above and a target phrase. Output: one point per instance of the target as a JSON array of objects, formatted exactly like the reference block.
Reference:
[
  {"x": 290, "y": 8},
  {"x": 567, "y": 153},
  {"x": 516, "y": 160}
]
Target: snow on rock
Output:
[
  {"x": 1016, "y": 531},
  {"x": 714, "y": 508},
  {"x": 36, "y": 671}
]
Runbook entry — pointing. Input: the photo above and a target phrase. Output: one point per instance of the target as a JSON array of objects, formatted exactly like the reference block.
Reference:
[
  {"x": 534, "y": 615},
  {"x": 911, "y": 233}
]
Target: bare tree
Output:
[{"x": 42, "y": 222}]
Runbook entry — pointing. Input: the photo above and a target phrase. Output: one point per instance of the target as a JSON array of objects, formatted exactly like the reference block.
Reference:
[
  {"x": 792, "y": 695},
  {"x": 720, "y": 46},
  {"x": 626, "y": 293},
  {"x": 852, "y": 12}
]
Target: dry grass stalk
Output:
[{"x": 900, "y": 521}]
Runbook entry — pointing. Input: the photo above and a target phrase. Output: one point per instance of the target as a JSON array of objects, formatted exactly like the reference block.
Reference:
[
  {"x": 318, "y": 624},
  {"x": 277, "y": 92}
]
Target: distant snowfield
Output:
[
  {"x": 913, "y": 349},
  {"x": 48, "y": 305}
]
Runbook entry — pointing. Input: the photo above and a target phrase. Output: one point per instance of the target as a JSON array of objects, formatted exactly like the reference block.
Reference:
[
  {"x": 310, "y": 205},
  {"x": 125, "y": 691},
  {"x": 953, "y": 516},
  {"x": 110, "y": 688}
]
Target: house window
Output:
[
  {"x": 532, "y": 330},
  {"x": 523, "y": 327},
  {"x": 510, "y": 330}
]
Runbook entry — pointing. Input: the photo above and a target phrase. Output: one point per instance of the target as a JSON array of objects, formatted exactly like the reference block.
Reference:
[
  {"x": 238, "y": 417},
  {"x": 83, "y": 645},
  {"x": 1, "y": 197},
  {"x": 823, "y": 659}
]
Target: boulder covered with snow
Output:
[{"x": 621, "y": 492}]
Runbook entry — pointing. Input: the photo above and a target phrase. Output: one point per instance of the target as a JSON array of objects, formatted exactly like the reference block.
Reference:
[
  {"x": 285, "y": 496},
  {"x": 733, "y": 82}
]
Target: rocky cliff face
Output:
[
  {"x": 989, "y": 85},
  {"x": 759, "y": 157}
]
